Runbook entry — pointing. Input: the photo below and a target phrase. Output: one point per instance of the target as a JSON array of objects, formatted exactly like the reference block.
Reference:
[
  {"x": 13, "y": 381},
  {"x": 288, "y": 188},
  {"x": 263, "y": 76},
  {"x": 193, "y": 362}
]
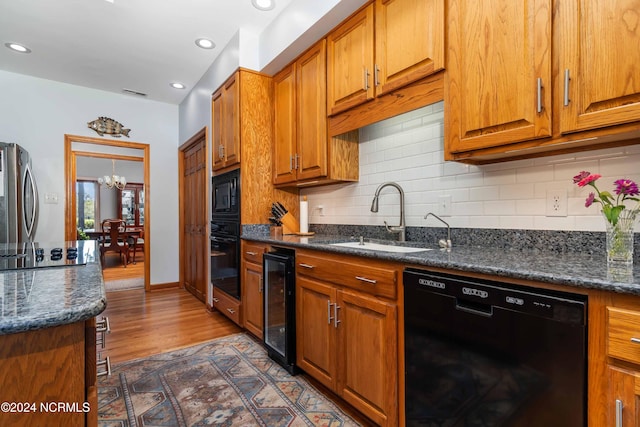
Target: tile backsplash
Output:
[{"x": 408, "y": 150}]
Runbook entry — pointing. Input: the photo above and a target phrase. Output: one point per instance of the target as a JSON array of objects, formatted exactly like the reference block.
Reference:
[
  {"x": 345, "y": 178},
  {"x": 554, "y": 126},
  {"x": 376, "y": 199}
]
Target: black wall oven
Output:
[{"x": 225, "y": 233}]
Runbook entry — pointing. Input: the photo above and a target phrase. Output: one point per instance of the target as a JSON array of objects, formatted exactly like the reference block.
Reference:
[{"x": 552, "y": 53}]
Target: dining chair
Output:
[
  {"x": 136, "y": 242},
  {"x": 113, "y": 239}
]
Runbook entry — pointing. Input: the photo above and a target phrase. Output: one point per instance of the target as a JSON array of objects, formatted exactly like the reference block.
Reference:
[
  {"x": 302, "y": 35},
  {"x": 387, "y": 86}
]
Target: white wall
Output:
[
  {"x": 37, "y": 113},
  {"x": 408, "y": 149}
]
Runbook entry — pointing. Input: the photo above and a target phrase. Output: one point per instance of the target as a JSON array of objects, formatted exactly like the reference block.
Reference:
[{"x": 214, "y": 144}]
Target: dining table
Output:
[{"x": 133, "y": 233}]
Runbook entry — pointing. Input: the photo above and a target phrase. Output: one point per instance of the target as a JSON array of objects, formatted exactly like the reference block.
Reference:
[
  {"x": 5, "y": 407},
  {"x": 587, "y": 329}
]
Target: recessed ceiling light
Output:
[
  {"x": 18, "y": 47},
  {"x": 177, "y": 85},
  {"x": 205, "y": 43},
  {"x": 264, "y": 4}
]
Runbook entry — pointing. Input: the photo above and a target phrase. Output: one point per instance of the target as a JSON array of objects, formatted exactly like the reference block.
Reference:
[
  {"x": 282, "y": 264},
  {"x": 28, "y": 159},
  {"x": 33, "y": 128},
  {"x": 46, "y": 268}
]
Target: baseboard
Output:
[{"x": 168, "y": 285}]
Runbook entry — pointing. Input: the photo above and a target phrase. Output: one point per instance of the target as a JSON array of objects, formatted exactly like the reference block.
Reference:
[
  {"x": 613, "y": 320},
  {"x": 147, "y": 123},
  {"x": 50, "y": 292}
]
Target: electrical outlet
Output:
[
  {"x": 444, "y": 205},
  {"x": 320, "y": 209},
  {"x": 557, "y": 202}
]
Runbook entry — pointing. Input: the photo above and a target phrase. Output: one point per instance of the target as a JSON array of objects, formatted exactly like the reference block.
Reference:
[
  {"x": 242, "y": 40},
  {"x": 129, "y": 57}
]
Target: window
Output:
[
  {"x": 131, "y": 204},
  {"x": 88, "y": 212}
]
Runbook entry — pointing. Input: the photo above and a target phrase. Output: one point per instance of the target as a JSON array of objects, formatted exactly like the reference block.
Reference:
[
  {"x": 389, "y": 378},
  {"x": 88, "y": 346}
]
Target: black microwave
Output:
[{"x": 226, "y": 193}]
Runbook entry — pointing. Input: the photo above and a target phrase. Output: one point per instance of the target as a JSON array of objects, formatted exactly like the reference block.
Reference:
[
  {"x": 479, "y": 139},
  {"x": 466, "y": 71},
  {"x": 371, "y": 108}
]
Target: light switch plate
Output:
[
  {"x": 51, "y": 198},
  {"x": 444, "y": 205}
]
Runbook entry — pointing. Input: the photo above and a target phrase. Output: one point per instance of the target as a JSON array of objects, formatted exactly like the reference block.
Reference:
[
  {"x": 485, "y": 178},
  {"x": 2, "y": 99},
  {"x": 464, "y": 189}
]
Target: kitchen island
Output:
[
  {"x": 578, "y": 267},
  {"x": 48, "y": 340}
]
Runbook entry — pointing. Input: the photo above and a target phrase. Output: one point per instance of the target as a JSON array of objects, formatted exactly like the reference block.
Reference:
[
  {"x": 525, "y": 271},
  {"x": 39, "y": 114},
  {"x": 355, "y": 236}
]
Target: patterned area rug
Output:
[
  {"x": 124, "y": 284},
  {"x": 226, "y": 382}
]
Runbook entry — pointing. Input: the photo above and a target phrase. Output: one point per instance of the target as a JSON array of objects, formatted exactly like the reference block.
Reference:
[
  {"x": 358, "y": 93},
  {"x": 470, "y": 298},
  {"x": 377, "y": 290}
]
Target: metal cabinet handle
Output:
[
  {"x": 619, "y": 407},
  {"x": 329, "y": 318},
  {"x": 231, "y": 310},
  {"x": 251, "y": 253},
  {"x": 335, "y": 315},
  {"x": 103, "y": 325},
  {"x": 260, "y": 284},
  {"x": 635, "y": 340},
  {"x": 366, "y": 79},
  {"x": 291, "y": 163},
  {"x": 216, "y": 300},
  {"x": 540, "y": 95},
  {"x": 566, "y": 87},
  {"x": 364, "y": 279},
  {"x": 107, "y": 364},
  {"x": 296, "y": 163},
  {"x": 376, "y": 75},
  {"x": 303, "y": 265}
]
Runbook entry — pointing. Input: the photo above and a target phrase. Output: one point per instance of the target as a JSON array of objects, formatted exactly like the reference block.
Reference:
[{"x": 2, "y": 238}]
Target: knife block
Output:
[{"x": 290, "y": 225}]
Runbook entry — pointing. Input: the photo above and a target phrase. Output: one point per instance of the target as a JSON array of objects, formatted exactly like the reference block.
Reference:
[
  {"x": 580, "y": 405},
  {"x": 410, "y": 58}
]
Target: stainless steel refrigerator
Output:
[{"x": 18, "y": 195}]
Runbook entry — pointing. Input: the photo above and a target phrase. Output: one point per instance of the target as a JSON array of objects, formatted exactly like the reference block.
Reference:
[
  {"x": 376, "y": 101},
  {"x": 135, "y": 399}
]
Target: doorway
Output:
[{"x": 79, "y": 149}]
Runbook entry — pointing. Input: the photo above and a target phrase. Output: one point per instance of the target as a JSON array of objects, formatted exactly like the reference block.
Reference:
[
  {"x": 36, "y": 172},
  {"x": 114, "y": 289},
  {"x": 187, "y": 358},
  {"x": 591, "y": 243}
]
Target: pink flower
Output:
[
  {"x": 589, "y": 200},
  {"x": 582, "y": 175},
  {"x": 589, "y": 179},
  {"x": 626, "y": 187}
]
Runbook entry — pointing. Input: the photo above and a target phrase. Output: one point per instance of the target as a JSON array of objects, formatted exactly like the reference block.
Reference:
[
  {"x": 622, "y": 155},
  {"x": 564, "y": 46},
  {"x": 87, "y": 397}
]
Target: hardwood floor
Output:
[
  {"x": 113, "y": 268},
  {"x": 155, "y": 322}
]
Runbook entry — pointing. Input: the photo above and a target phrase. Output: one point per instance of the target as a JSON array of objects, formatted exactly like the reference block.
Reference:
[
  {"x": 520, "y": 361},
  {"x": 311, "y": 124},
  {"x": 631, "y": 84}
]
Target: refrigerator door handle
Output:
[{"x": 30, "y": 218}]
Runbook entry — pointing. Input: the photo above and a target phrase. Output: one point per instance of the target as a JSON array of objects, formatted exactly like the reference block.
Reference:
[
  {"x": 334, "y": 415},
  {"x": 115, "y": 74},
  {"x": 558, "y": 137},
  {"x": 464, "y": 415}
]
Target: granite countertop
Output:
[
  {"x": 41, "y": 298},
  {"x": 579, "y": 269}
]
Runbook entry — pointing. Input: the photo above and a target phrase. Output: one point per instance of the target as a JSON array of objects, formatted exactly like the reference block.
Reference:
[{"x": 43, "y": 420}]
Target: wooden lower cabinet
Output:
[
  {"x": 41, "y": 370},
  {"x": 347, "y": 338},
  {"x": 228, "y": 306},
  {"x": 253, "y": 288},
  {"x": 624, "y": 397}
]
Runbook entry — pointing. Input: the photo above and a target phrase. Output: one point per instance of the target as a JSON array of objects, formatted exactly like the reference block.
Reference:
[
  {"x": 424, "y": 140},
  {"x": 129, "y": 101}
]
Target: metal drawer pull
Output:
[
  {"x": 619, "y": 407},
  {"x": 306, "y": 265},
  {"x": 231, "y": 310},
  {"x": 251, "y": 253},
  {"x": 566, "y": 87},
  {"x": 540, "y": 95},
  {"x": 260, "y": 285},
  {"x": 106, "y": 363},
  {"x": 366, "y": 79},
  {"x": 635, "y": 340},
  {"x": 335, "y": 315},
  {"x": 216, "y": 300},
  {"x": 364, "y": 279},
  {"x": 329, "y": 318},
  {"x": 103, "y": 325}
]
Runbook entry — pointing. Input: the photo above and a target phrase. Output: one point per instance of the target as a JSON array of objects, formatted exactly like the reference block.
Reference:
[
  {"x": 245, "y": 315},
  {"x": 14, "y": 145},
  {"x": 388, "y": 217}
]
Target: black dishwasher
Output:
[
  {"x": 279, "y": 307},
  {"x": 484, "y": 353}
]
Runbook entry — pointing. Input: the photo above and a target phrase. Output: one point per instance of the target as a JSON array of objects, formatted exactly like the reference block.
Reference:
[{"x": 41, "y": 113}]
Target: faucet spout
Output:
[
  {"x": 445, "y": 244},
  {"x": 401, "y": 228}
]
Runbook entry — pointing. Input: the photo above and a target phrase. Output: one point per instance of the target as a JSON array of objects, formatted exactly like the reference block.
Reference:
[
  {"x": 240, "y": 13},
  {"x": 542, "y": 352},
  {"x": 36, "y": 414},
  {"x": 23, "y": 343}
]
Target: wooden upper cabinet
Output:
[
  {"x": 498, "y": 79},
  {"x": 601, "y": 61},
  {"x": 225, "y": 121},
  {"x": 311, "y": 131},
  {"x": 284, "y": 147},
  {"x": 409, "y": 41},
  {"x": 350, "y": 65}
]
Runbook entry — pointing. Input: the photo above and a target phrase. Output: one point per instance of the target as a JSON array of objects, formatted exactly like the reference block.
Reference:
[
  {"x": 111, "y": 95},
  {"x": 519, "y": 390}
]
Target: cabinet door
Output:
[
  {"x": 312, "y": 113},
  {"x": 252, "y": 298},
  {"x": 624, "y": 398},
  {"x": 284, "y": 147},
  {"x": 368, "y": 356},
  {"x": 409, "y": 41},
  {"x": 315, "y": 330},
  {"x": 216, "y": 130},
  {"x": 498, "y": 79},
  {"x": 601, "y": 56},
  {"x": 231, "y": 121},
  {"x": 350, "y": 62}
]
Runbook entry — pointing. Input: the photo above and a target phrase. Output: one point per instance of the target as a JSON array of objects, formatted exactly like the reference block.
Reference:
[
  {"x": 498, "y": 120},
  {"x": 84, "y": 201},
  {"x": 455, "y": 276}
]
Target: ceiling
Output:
[{"x": 140, "y": 45}]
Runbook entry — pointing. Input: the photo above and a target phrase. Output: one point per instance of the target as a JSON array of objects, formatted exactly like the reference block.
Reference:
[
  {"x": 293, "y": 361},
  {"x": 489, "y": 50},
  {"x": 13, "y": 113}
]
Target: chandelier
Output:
[{"x": 114, "y": 180}]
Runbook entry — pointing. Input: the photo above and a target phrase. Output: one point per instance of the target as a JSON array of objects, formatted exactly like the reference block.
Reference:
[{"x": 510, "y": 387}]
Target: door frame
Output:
[
  {"x": 199, "y": 135},
  {"x": 70, "y": 177}
]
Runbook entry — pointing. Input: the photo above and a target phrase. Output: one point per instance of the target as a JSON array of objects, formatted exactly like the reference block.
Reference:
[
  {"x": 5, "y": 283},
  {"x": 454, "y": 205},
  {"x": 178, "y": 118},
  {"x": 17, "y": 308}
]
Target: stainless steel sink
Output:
[{"x": 380, "y": 247}]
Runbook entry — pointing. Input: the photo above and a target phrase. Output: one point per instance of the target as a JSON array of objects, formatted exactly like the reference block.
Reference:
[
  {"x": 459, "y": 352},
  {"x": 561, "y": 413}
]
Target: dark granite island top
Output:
[
  {"x": 38, "y": 298},
  {"x": 575, "y": 269}
]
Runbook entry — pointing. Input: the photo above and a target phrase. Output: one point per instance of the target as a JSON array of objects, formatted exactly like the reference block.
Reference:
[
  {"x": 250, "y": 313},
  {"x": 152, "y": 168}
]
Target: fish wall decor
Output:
[{"x": 105, "y": 125}]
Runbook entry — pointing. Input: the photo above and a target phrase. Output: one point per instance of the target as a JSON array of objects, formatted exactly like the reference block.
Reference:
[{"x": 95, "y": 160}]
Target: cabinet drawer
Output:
[
  {"x": 372, "y": 279},
  {"x": 252, "y": 252},
  {"x": 227, "y": 306},
  {"x": 623, "y": 334}
]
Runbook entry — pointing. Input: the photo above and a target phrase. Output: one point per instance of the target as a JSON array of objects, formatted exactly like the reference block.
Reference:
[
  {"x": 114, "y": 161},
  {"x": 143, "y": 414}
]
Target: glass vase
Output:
[{"x": 620, "y": 241}]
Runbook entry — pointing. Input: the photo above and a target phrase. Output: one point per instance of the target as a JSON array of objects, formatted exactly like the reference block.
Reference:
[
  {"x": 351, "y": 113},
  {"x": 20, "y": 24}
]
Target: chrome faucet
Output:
[
  {"x": 444, "y": 244},
  {"x": 400, "y": 229}
]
